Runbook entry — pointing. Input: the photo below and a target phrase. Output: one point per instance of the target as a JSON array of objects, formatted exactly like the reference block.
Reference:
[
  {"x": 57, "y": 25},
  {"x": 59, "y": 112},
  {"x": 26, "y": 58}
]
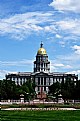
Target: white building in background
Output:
[{"x": 41, "y": 75}]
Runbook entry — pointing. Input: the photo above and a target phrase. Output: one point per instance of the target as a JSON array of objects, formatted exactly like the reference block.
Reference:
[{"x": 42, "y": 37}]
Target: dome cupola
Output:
[
  {"x": 41, "y": 50},
  {"x": 41, "y": 63}
]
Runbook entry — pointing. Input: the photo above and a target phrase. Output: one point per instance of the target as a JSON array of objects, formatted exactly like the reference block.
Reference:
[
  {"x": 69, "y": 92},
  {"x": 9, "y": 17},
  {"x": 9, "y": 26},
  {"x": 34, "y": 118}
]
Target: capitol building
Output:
[{"x": 41, "y": 74}]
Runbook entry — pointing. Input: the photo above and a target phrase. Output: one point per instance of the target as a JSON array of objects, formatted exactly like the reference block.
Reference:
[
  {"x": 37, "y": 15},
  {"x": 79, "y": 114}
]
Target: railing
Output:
[
  {"x": 10, "y": 100},
  {"x": 35, "y": 101},
  {"x": 74, "y": 101}
]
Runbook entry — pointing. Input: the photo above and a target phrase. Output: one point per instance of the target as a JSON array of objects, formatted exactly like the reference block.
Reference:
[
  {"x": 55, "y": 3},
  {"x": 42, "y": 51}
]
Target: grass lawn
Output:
[{"x": 55, "y": 115}]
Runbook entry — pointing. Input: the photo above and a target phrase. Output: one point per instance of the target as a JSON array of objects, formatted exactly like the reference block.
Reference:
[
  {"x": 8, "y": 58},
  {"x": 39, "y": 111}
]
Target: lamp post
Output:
[
  {"x": 22, "y": 98},
  {"x": 60, "y": 100}
]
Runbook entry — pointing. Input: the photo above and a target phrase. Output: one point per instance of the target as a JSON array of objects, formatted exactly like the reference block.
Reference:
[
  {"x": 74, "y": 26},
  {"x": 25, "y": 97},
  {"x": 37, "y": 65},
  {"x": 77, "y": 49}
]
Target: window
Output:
[
  {"x": 60, "y": 80},
  {"x": 54, "y": 80},
  {"x": 47, "y": 81},
  {"x": 36, "y": 80},
  {"x": 51, "y": 81}
]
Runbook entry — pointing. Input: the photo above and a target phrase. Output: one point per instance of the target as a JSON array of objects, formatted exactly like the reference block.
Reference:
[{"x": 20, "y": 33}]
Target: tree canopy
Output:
[
  {"x": 68, "y": 90},
  {"x": 9, "y": 90}
]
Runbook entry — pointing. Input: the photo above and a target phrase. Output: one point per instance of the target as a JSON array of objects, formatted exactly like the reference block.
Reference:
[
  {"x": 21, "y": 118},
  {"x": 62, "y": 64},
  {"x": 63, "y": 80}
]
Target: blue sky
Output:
[{"x": 25, "y": 23}]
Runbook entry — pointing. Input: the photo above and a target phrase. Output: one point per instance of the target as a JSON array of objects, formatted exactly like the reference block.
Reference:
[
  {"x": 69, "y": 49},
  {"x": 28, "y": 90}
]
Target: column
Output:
[
  {"x": 43, "y": 83},
  {"x": 19, "y": 81},
  {"x": 43, "y": 80},
  {"x": 43, "y": 89},
  {"x": 36, "y": 81},
  {"x": 40, "y": 80}
]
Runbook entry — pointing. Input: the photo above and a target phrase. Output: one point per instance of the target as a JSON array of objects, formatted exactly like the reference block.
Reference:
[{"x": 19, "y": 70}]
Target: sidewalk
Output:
[{"x": 31, "y": 109}]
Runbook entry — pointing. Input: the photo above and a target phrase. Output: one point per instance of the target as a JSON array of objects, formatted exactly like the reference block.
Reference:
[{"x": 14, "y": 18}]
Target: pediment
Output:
[{"x": 40, "y": 74}]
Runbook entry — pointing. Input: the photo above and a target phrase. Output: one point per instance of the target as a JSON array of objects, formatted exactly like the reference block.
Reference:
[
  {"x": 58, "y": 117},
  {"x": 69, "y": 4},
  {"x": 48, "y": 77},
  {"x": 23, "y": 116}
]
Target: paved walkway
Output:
[{"x": 31, "y": 109}]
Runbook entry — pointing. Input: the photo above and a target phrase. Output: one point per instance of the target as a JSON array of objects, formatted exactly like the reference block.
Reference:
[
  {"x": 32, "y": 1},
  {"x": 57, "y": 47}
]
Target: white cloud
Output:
[
  {"x": 53, "y": 68},
  {"x": 66, "y": 5},
  {"x": 20, "y": 25},
  {"x": 71, "y": 62},
  {"x": 50, "y": 28},
  {"x": 59, "y": 66},
  {"x": 77, "y": 49},
  {"x": 16, "y": 63},
  {"x": 71, "y": 26},
  {"x": 58, "y": 36},
  {"x": 68, "y": 67}
]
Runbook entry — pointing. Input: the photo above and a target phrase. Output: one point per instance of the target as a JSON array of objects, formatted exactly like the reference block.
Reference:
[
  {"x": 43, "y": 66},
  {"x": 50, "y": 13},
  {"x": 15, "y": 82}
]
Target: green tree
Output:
[
  {"x": 7, "y": 89},
  {"x": 27, "y": 89},
  {"x": 77, "y": 90},
  {"x": 67, "y": 89},
  {"x": 55, "y": 89}
]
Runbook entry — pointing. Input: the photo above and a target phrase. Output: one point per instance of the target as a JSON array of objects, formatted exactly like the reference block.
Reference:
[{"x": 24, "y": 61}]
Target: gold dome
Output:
[{"x": 41, "y": 51}]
